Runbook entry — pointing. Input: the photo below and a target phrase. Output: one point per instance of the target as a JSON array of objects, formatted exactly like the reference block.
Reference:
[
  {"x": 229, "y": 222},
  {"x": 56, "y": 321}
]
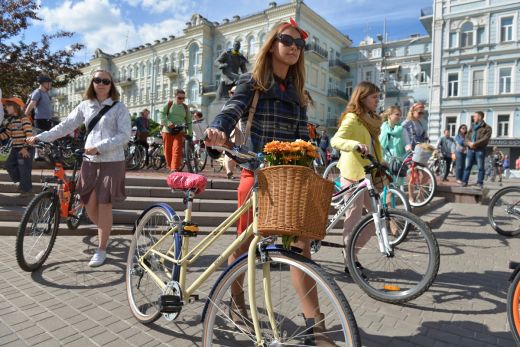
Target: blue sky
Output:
[{"x": 114, "y": 25}]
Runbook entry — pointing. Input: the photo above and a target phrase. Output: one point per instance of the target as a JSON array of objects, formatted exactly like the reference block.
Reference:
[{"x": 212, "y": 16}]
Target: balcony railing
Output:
[
  {"x": 337, "y": 94},
  {"x": 316, "y": 53},
  {"x": 338, "y": 67},
  {"x": 170, "y": 72},
  {"x": 124, "y": 82},
  {"x": 427, "y": 11}
]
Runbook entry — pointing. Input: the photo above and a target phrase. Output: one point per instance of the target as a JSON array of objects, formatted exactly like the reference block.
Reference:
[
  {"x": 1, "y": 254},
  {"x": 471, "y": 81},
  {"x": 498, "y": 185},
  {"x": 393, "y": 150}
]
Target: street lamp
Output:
[{"x": 382, "y": 75}]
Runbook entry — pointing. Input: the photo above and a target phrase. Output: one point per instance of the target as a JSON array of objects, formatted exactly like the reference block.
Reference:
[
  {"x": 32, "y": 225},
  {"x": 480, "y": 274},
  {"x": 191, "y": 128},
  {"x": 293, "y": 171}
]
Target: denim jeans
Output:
[
  {"x": 478, "y": 156},
  {"x": 20, "y": 169},
  {"x": 460, "y": 164}
]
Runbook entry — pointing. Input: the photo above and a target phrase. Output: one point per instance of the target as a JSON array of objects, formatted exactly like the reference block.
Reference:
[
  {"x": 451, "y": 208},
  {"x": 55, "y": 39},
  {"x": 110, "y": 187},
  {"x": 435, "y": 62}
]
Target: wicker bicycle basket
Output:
[{"x": 294, "y": 201}]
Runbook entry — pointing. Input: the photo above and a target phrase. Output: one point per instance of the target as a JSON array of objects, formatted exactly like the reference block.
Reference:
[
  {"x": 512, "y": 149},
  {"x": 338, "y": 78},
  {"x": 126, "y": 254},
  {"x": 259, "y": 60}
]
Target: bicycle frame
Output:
[
  {"x": 377, "y": 210},
  {"x": 184, "y": 258}
]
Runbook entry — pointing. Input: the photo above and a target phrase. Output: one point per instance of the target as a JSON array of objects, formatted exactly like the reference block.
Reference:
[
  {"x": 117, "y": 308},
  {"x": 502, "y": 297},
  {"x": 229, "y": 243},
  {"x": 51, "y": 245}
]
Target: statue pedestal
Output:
[{"x": 215, "y": 108}]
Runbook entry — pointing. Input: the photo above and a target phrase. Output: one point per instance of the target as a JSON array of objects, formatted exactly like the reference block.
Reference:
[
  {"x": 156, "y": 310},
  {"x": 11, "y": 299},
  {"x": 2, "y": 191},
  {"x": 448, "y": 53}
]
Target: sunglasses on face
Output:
[
  {"x": 98, "y": 80},
  {"x": 288, "y": 41},
  {"x": 181, "y": 97}
]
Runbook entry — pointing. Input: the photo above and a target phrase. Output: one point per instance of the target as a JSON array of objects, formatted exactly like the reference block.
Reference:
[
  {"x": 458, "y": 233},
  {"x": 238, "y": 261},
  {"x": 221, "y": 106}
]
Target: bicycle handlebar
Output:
[{"x": 240, "y": 154}]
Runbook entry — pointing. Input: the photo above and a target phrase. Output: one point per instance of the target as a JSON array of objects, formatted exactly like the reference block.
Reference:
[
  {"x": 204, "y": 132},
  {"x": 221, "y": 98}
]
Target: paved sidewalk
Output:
[{"x": 68, "y": 303}]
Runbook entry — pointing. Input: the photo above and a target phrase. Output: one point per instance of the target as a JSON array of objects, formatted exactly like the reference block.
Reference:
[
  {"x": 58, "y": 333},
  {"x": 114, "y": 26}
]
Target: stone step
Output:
[
  {"x": 134, "y": 180},
  {"x": 437, "y": 201},
  {"x": 458, "y": 194}
]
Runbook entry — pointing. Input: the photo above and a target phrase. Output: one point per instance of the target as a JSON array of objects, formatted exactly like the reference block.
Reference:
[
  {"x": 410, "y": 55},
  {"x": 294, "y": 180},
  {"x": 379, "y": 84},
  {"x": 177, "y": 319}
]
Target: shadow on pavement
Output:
[{"x": 444, "y": 333}]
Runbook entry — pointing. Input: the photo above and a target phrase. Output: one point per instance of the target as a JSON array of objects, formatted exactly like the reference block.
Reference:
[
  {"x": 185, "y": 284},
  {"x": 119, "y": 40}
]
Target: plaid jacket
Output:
[{"x": 279, "y": 115}]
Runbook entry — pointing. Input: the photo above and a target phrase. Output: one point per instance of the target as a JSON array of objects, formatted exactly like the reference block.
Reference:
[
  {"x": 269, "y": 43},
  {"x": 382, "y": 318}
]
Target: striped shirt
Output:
[
  {"x": 18, "y": 129},
  {"x": 279, "y": 114}
]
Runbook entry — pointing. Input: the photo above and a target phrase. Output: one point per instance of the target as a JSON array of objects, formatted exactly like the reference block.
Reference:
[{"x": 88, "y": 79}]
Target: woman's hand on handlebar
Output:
[
  {"x": 361, "y": 148},
  {"x": 214, "y": 137},
  {"x": 31, "y": 140}
]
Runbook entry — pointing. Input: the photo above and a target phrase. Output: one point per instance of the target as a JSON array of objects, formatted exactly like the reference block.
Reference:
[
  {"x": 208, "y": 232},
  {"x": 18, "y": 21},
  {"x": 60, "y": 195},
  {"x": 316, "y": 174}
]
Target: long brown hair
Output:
[
  {"x": 263, "y": 69},
  {"x": 90, "y": 93},
  {"x": 355, "y": 105}
]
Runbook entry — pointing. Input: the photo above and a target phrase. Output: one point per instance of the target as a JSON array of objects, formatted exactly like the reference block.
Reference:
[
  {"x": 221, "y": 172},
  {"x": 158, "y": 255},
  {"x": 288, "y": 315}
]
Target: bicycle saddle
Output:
[{"x": 187, "y": 181}]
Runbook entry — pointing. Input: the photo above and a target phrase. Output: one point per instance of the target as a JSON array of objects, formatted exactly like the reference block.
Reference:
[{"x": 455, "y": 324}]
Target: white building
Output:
[
  {"x": 475, "y": 65},
  {"x": 148, "y": 75}
]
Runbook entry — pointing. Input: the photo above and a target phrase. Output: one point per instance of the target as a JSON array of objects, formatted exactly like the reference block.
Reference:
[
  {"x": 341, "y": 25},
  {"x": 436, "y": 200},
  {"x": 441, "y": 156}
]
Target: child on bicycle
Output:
[
  {"x": 358, "y": 134},
  {"x": 278, "y": 75},
  {"x": 19, "y": 161}
]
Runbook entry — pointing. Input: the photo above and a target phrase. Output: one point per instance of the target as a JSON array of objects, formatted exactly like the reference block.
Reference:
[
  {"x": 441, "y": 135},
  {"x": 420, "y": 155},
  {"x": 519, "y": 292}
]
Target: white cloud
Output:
[{"x": 176, "y": 7}]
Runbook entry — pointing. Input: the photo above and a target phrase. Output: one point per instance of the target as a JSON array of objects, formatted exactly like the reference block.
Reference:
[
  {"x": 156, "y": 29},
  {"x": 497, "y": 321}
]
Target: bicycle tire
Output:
[
  {"x": 202, "y": 155},
  {"x": 152, "y": 223},
  {"x": 423, "y": 199},
  {"x": 188, "y": 157},
  {"x": 77, "y": 211},
  {"x": 512, "y": 212},
  {"x": 513, "y": 307},
  {"x": 442, "y": 168},
  {"x": 384, "y": 282},
  {"x": 217, "y": 324},
  {"x": 44, "y": 229}
]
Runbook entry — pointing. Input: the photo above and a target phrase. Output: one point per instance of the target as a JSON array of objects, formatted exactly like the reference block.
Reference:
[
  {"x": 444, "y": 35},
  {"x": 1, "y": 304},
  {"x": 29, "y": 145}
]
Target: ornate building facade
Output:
[
  {"x": 475, "y": 65},
  {"x": 148, "y": 75}
]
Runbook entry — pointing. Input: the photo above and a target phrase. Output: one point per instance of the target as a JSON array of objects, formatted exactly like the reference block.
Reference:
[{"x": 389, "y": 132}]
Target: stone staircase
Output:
[{"x": 143, "y": 189}]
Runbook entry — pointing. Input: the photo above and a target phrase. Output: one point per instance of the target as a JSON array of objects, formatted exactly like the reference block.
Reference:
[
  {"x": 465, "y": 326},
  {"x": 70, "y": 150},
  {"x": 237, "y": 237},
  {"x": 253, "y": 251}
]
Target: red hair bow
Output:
[{"x": 303, "y": 33}]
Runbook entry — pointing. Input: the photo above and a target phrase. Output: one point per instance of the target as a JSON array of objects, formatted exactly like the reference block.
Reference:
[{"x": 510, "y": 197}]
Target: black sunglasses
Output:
[
  {"x": 181, "y": 97},
  {"x": 288, "y": 40},
  {"x": 105, "y": 81}
]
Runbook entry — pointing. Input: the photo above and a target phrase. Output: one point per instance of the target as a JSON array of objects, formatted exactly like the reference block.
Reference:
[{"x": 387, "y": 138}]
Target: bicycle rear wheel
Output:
[
  {"x": 202, "y": 157},
  {"x": 407, "y": 272},
  {"x": 189, "y": 157},
  {"x": 277, "y": 271},
  {"x": 420, "y": 185},
  {"x": 37, "y": 231},
  {"x": 142, "y": 291},
  {"x": 513, "y": 307},
  {"x": 504, "y": 211}
]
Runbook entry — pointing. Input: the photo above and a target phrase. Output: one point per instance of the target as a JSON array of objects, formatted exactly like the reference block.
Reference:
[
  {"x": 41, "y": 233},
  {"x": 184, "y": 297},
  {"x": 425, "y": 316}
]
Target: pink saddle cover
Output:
[{"x": 186, "y": 180}]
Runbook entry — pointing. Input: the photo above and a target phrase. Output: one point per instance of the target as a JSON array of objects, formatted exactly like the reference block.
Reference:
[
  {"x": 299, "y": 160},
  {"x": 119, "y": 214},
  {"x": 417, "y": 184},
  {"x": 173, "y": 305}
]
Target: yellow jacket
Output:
[{"x": 352, "y": 132}]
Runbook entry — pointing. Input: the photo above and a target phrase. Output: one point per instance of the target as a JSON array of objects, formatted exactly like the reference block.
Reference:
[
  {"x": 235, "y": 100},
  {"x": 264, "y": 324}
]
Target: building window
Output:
[
  {"x": 451, "y": 125},
  {"x": 251, "y": 46},
  {"x": 478, "y": 83},
  {"x": 453, "y": 40},
  {"x": 219, "y": 50},
  {"x": 422, "y": 77},
  {"x": 262, "y": 39},
  {"x": 506, "y": 29},
  {"x": 466, "y": 35},
  {"x": 368, "y": 76},
  {"x": 349, "y": 89},
  {"x": 503, "y": 126},
  {"x": 481, "y": 36},
  {"x": 453, "y": 84},
  {"x": 505, "y": 80}
]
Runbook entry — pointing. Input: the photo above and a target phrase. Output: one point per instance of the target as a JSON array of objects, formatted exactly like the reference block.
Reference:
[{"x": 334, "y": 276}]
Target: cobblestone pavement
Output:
[{"x": 68, "y": 303}]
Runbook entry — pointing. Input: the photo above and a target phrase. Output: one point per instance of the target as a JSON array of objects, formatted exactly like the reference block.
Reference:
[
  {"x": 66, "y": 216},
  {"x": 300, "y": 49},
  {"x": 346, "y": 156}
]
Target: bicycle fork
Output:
[{"x": 380, "y": 224}]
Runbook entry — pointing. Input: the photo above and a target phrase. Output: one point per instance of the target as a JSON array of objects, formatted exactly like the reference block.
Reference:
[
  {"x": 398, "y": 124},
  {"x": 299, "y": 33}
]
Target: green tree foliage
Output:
[{"x": 22, "y": 62}]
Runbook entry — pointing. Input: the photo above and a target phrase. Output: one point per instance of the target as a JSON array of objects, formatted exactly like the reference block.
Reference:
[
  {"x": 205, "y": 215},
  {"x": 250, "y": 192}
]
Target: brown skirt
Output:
[{"x": 107, "y": 179}]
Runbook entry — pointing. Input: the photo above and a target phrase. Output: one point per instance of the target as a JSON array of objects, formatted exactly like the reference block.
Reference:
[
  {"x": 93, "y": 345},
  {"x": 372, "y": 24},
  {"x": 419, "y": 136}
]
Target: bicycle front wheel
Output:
[
  {"x": 278, "y": 291},
  {"x": 420, "y": 185},
  {"x": 404, "y": 274},
  {"x": 513, "y": 307},
  {"x": 202, "y": 157},
  {"x": 77, "y": 210},
  {"x": 189, "y": 159},
  {"x": 37, "y": 231},
  {"x": 143, "y": 291},
  {"x": 504, "y": 211}
]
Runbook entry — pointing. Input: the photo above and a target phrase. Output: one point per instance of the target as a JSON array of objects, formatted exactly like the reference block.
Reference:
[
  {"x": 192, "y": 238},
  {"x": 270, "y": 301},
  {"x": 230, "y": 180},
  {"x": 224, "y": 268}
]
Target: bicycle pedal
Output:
[
  {"x": 189, "y": 229},
  {"x": 193, "y": 298},
  {"x": 170, "y": 304}
]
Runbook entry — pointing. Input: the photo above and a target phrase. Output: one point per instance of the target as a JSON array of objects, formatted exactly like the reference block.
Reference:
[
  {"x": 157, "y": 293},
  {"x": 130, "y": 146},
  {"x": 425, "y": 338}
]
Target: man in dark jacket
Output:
[{"x": 477, "y": 139}]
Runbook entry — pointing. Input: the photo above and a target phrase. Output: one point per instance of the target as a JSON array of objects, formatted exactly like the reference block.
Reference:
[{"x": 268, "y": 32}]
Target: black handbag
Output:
[{"x": 175, "y": 130}]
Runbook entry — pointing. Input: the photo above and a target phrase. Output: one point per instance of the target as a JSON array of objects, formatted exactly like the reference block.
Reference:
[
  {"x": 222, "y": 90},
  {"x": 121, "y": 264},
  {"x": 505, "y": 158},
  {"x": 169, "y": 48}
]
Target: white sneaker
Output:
[{"x": 98, "y": 258}]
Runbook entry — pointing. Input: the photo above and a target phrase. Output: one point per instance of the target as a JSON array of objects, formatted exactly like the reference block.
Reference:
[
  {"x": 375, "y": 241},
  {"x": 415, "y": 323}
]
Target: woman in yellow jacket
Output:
[{"x": 358, "y": 133}]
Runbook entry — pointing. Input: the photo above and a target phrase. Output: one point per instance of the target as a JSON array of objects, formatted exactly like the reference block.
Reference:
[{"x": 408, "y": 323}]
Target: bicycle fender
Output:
[
  {"x": 516, "y": 267},
  {"x": 238, "y": 260},
  {"x": 169, "y": 210}
]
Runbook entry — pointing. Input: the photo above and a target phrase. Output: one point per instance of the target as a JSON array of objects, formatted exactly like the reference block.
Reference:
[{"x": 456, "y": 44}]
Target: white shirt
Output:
[{"x": 110, "y": 135}]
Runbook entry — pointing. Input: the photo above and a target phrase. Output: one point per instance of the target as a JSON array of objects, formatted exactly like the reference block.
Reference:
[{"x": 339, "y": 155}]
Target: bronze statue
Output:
[{"x": 230, "y": 63}]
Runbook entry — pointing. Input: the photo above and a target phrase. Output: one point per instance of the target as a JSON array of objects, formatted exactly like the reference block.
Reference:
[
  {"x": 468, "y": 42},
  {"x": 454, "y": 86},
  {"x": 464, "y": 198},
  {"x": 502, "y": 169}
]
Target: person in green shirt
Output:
[{"x": 176, "y": 124}]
